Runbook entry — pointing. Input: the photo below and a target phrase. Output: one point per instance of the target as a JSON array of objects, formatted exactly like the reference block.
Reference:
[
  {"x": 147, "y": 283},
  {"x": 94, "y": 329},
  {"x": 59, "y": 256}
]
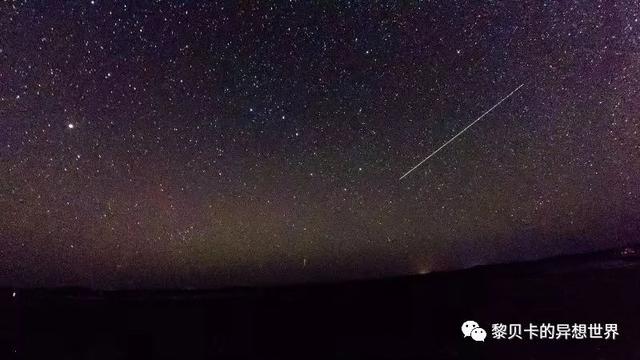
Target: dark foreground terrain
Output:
[{"x": 404, "y": 318}]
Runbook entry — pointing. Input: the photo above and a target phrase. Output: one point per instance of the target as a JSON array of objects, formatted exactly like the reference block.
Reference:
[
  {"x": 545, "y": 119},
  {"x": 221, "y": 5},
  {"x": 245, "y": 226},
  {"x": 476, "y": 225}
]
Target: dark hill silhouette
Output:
[{"x": 414, "y": 317}]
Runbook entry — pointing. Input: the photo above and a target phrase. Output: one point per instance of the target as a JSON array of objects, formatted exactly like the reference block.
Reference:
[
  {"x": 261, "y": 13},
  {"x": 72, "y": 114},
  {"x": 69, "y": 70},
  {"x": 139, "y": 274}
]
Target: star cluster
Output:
[{"x": 206, "y": 144}]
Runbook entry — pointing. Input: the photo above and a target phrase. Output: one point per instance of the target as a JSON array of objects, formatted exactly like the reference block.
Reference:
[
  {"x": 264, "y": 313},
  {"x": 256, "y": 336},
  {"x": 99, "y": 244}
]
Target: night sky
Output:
[{"x": 202, "y": 145}]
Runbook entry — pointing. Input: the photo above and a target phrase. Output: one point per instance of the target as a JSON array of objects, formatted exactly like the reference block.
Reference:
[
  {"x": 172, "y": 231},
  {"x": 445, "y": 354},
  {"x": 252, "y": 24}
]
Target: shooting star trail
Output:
[{"x": 460, "y": 133}]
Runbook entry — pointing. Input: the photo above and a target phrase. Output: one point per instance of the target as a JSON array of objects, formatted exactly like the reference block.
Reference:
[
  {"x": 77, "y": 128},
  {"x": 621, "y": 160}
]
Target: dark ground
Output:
[{"x": 413, "y": 317}]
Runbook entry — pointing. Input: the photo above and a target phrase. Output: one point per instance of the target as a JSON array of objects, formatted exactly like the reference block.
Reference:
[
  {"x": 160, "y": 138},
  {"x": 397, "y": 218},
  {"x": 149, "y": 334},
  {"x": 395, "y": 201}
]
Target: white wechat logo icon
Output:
[
  {"x": 471, "y": 328},
  {"x": 478, "y": 334}
]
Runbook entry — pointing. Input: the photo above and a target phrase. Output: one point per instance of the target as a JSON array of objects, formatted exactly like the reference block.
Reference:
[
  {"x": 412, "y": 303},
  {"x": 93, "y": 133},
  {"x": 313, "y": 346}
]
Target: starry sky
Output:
[{"x": 201, "y": 144}]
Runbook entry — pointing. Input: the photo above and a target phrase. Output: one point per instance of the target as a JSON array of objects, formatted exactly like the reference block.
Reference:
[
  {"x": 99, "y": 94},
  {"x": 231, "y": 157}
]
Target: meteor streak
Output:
[{"x": 460, "y": 133}]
